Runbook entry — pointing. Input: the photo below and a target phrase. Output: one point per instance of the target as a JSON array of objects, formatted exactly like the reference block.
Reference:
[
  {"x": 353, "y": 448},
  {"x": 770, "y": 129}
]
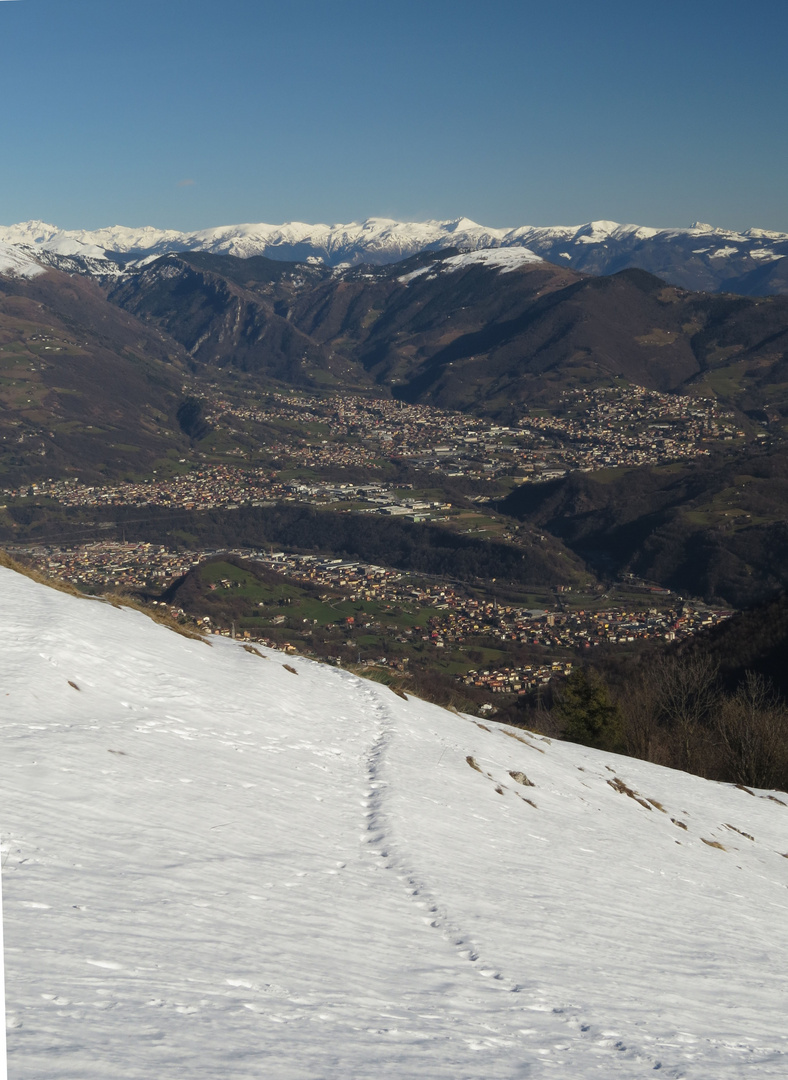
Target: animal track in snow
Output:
[{"x": 378, "y": 832}]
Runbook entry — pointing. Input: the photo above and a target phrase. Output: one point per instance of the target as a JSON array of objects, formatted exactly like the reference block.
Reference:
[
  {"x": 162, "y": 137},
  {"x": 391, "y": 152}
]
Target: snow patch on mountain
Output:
[
  {"x": 765, "y": 255},
  {"x": 16, "y": 261},
  {"x": 503, "y": 259},
  {"x": 218, "y": 865}
]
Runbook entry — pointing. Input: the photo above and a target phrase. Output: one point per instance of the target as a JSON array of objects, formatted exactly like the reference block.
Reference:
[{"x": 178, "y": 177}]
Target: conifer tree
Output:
[{"x": 586, "y": 711}]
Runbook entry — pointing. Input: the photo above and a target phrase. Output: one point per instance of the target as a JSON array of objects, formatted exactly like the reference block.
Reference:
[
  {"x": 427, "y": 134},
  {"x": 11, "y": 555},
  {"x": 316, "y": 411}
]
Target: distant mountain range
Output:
[{"x": 700, "y": 258}]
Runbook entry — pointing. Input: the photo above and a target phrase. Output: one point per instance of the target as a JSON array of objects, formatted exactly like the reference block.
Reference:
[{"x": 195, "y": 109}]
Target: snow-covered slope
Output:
[
  {"x": 502, "y": 259},
  {"x": 16, "y": 261},
  {"x": 216, "y": 867},
  {"x": 28, "y": 261}
]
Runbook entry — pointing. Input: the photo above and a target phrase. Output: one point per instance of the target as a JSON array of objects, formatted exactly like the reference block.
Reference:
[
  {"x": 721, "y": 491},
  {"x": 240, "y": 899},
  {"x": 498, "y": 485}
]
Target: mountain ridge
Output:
[
  {"x": 461, "y": 331},
  {"x": 699, "y": 257}
]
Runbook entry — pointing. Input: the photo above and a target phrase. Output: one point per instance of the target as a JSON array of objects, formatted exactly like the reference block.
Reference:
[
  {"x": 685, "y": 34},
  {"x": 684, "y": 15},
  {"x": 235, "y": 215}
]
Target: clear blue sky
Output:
[{"x": 190, "y": 113}]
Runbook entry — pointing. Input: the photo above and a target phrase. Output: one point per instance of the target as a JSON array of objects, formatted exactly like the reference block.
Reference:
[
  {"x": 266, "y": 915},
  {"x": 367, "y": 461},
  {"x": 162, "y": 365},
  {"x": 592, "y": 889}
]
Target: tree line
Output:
[{"x": 677, "y": 711}]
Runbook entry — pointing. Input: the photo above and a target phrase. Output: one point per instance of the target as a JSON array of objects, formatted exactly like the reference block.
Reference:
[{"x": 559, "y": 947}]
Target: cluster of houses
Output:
[
  {"x": 112, "y": 564},
  {"x": 606, "y": 428},
  {"x": 590, "y": 429},
  {"x": 516, "y": 680},
  {"x": 206, "y": 488},
  {"x": 566, "y": 629}
]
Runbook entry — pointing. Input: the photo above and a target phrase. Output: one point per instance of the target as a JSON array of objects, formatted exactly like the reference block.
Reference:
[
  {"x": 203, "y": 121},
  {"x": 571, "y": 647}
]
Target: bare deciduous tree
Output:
[
  {"x": 640, "y": 717},
  {"x": 752, "y": 727},
  {"x": 669, "y": 709}
]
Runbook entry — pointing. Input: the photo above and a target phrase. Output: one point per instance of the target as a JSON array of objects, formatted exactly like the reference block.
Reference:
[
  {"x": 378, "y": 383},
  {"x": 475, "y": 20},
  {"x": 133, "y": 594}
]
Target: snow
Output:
[
  {"x": 377, "y": 240},
  {"x": 763, "y": 234},
  {"x": 765, "y": 255},
  {"x": 69, "y": 245},
  {"x": 216, "y": 867},
  {"x": 18, "y": 262},
  {"x": 3, "y": 1057},
  {"x": 503, "y": 259}
]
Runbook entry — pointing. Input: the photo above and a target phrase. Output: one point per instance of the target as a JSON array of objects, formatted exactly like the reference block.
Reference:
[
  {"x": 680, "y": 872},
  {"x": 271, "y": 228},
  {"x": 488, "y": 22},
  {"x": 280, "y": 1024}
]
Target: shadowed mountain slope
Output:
[
  {"x": 714, "y": 528},
  {"x": 460, "y": 332},
  {"x": 84, "y": 385}
]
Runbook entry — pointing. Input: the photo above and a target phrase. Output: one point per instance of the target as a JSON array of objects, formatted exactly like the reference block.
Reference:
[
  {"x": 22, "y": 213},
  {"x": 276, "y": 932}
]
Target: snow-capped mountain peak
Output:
[{"x": 595, "y": 247}]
